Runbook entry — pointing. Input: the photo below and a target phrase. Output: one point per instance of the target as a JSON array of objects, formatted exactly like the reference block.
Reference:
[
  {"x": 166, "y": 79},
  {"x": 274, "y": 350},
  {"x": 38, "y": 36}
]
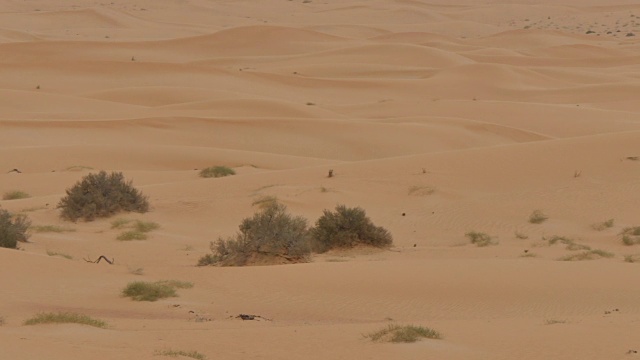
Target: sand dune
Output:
[{"x": 437, "y": 118}]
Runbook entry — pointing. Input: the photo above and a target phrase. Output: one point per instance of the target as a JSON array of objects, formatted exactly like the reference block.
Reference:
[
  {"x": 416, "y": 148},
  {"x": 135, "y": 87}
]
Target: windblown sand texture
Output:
[{"x": 463, "y": 116}]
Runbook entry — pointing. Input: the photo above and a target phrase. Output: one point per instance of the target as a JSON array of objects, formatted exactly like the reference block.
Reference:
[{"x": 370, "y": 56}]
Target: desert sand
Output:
[{"x": 438, "y": 118}]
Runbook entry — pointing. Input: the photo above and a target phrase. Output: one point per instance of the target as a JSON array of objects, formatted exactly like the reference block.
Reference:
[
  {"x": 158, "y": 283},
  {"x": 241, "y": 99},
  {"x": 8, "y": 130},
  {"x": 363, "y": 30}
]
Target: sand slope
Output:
[{"x": 437, "y": 118}]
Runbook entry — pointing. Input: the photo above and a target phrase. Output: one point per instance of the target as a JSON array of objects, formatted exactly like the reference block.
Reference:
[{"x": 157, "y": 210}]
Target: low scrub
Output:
[
  {"x": 13, "y": 229},
  {"x": 403, "y": 334},
  {"x": 269, "y": 236},
  {"x": 55, "y": 253},
  {"x": 588, "y": 255},
  {"x": 152, "y": 291},
  {"x": 631, "y": 235},
  {"x": 176, "y": 353},
  {"x": 480, "y": 239},
  {"x": 51, "y": 228},
  {"x": 101, "y": 195},
  {"x": 65, "y": 318},
  {"x": 15, "y": 195},
  {"x": 217, "y": 171},
  {"x": 570, "y": 243},
  {"x": 346, "y": 228},
  {"x": 138, "y": 229},
  {"x": 632, "y": 258},
  {"x": 537, "y": 217},
  {"x": 603, "y": 225}
]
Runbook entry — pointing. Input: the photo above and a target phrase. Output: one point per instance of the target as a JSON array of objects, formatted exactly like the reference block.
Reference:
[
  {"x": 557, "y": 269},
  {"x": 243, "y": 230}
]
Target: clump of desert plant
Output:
[
  {"x": 101, "y": 195},
  {"x": 65, "y": 318},
  {"x": 537, "y": 217},
  {"x": 216, "y": 171},
  {"x": 346, "y": 228},
  {"x": 14, "y": 195},
  {"x": 570, "y": 243},
  {"x": 631, "y": 235},
  {"x": 632, "y": 258},
  {"x": 603, "y": 225},
  {"x": 51, "y": 228},
  {"x": 265, "y": 201},
  {"x": 13, "y": 229},
  {"x": 588, "y": 255},
  {"x": 480, "y": 239},
  {"x": 403, "y": 334},
  {"x": 268, "y": 236},
  {"x": 55, "y": 253},
  {"x": 137, "y": 229},
  {"x": 520, "y": 235},
  {"x": 152, "y": 291},
  {"x": 176, "y": 353},
  {"x": 421, "y": 190}
]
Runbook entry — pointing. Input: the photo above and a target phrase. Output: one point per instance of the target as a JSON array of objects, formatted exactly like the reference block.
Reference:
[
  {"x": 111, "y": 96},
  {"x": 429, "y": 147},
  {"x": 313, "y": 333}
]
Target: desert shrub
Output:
[
  {"x": 537, "y": 217},
  {"x": 403, "y": 334},
  {"x": 480, "y": 239},
  {"x": 631, "y": 235},
  {"x": 570, "y": 243},
  {"x": 65, "y": 318},
  {"x": 175, "y": 353},
  {"x": 632, "y": 258},
  {"x": 346, "y": 228},
  {"x": 603, "y": 225},
  {"x": 101, "y": 195},
  {"x": 588, "y": 255},
  {"x": 13, "y": 229},
  {"x": 51, "y": 228},
  {"x": 138, "y": 229},
  {"x": 265, "y": 201},
  {"x": 55, "y": 253},
  {"x": 269, "y": 235},
  {"x": 152, "y": 291},
  {"x": 14, "y": 195},
  {"x": 132, "y": 235},
  {"x": 217, "y": 171}
]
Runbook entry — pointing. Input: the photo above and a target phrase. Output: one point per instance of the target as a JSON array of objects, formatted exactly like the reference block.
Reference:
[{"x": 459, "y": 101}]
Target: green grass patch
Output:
[
  {"x": 480, "y": 239},
  {"x": 138, "y": 229},
  {"x": 65, "y": 318},
  {"x": 570, "y": 243},
  {"x": 145, "y": 226},
  {"x": 152, "y": 291},
  {"x": 403, "y": 334},
  {"x": 588, "y": 255},
  {"x": 217, "y": 171},
  {"x": 51, "y": 228},
  {"x": 265, "y": 202},
  {"x": 54, "y": 253},
  {"x": 176, "y": 353},
  {"x": 132, "y": 235},
  {"x": 120, "y": 223},
  {"x": 537, "y": 217},
  {"x": 15, "y": 195}
]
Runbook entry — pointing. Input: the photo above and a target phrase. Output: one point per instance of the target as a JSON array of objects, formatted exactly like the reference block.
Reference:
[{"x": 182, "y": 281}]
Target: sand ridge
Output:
[{"x": 437, "y": 118}]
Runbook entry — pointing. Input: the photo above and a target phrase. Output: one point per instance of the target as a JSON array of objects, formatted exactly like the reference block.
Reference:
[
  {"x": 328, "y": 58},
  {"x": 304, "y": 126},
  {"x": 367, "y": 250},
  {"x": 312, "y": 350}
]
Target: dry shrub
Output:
[{"x": 13, "y": 229}]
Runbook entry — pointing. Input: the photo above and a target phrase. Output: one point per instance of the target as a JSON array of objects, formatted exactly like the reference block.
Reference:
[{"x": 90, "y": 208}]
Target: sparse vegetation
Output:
[
  {"x": 54, "y": 253},
  {"x": 101, "y": 195},
  {"x": 480, "y": 239},
  {"x": 217, "y": 171},
  {"x": 403, "y": 334},
  {"x": 537, "y": 217},
  {"x": 15, "y": 195},
  {"x": 554, "y": 321},
  {"x": 138, "y": 229},
  {"x": 78, "y": 168},
  {"x": 570, "y": 243},
  {"x": 631, "y": 235},
  {"x": 264, "y": 202},
  {"x": 632, "y": 258},
  {"x": 136, "y": 270},
  {"x": 120, "y": 222},
  {"x": 521, "y": 236},
  {"x": 132, "y": 235},
  {"x": 176, "y": 353},
  {"x": 346, "y": 228},
  {"x": 271, "y": 235},
  {"x": 603, "y": 225},
  {"x": 588, "y": 255},
  {"x": 51, "y": 228},
  {"x": 421, "y": 190},
  {"x": 152, "y": 291},
  {"x": 65, "y": 318},
  {"x": 13, "y": 229}
]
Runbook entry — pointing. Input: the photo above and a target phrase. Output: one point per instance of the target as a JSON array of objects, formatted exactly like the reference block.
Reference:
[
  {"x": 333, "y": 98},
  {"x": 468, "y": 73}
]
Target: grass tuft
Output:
[
  {"x": 265, "y": 202},
  {"x": 139, "y": 229},
  {"x": 132, "y": 235},
  {"x": 480, "y": 239},
  {"x": 176, "y": 353},
  {"x": 217, "y": 171},
  {"x": 54, "y": 253},
  {"x": 147, "y": 291},
  {"x": 421, "y": 190},
  {"x": 15, "y": 195},
  {"x": 51, "y": 228},
  {"x": 554, "y": 321},
  {"x": 632, "y": 258},
  {"x": 603, "y": 225},
  {"x": 631, "y": 235},
  {"x": 588, "y": 255},
  {"x": 65, "y": 318},
  {"x": 403, "y": 334},
  {"x": 537, "y": 217}
]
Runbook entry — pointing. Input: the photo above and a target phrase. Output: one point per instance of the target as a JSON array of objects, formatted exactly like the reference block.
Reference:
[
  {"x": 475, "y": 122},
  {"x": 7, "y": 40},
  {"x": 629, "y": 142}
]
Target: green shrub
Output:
[
  {"x": 480, "y": 239},
  {"x": 101, "y": 195},
  {"x": 269, "y": 236},
  {"x": 13, "y": 229},
  {"x": 14, "y": 195},
  {"x": 537, "y": 217},
  {"x": 403, "y": 334},
  {"x": 217, "y": 171},
  {"x": 146, "y": 291},
  {"x": 65, "y": 318},
  {"x": 346, "y": 228}
]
